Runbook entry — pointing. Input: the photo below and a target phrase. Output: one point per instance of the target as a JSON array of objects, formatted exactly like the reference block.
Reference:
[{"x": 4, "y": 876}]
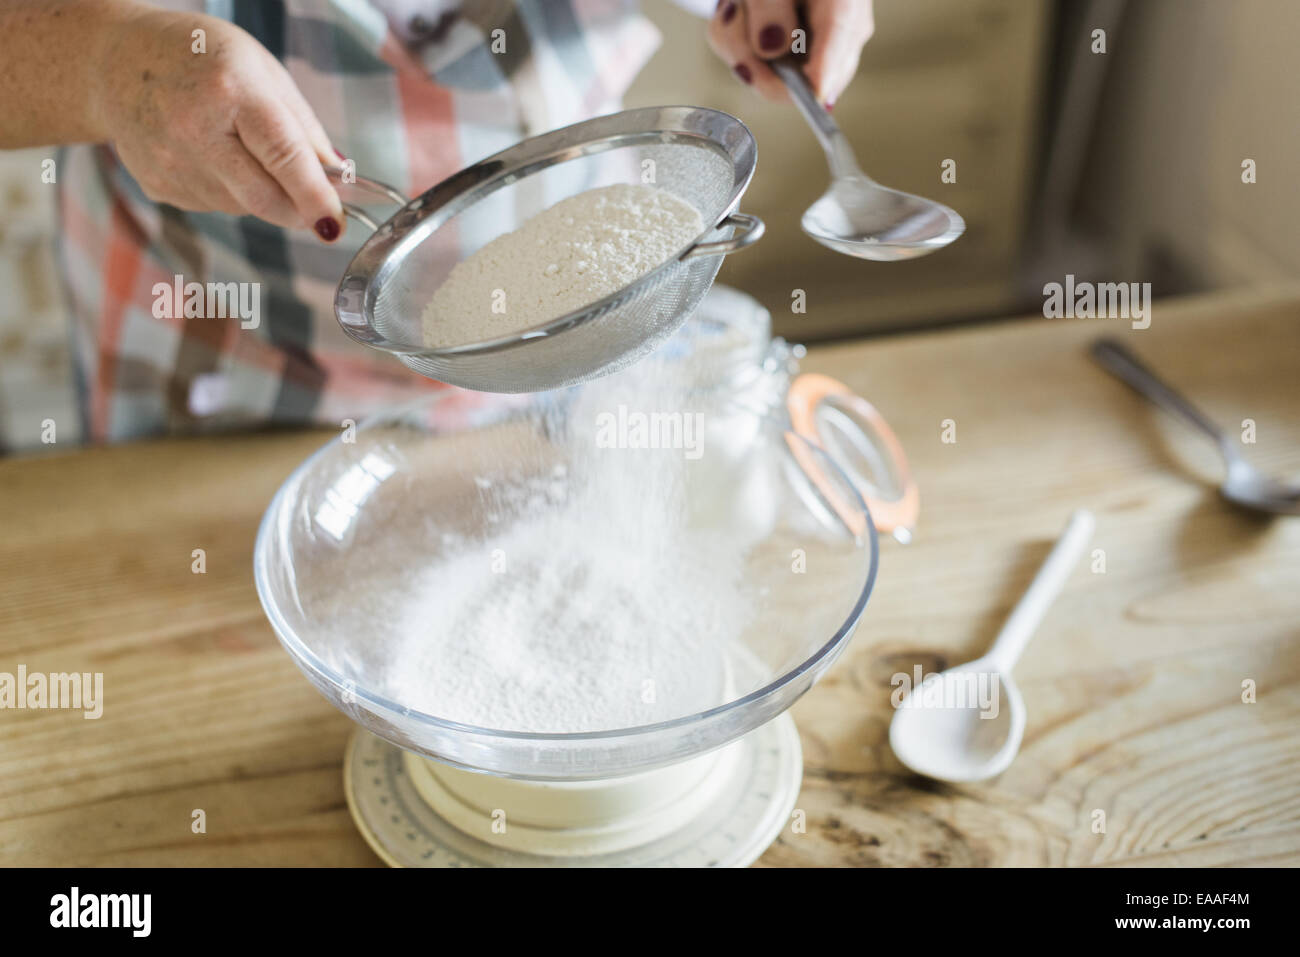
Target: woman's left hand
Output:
[{"x": 748, "y": 33}]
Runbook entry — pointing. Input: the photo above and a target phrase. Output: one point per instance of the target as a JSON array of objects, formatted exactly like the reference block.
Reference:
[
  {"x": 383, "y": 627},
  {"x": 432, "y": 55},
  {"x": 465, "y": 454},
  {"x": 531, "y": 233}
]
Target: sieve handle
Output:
[
  {"x": 337, "y": 174},
  {"x": 749, "y": 230}
]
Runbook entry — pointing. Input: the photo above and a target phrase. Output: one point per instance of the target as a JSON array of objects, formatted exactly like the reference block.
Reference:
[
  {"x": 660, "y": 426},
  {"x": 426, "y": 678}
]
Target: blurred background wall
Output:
[
  {"x": 1122, "y": 166},
  {"x": 1196, "y": 87}
]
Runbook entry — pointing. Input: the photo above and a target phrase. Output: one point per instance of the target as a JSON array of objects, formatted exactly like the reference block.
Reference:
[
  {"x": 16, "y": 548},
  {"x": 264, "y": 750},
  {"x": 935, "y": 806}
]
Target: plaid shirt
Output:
[{"x": 411, "y": 98}]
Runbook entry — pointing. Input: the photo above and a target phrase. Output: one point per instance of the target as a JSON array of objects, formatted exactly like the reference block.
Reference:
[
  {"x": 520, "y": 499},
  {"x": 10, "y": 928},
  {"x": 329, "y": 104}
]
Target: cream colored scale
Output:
[
  {"x": 405, "y": 806},
  {"x": 719, "y": 809}
]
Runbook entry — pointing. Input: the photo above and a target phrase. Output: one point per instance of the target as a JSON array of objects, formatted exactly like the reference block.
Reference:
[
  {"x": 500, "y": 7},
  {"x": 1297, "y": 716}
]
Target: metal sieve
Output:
[{"x": 702, "y": 156}]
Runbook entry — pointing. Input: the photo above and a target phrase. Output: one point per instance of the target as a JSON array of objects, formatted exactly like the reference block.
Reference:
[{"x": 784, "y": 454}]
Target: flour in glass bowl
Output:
[
  {"x": 581, "y": 632},
  {"x": 595, "y": 598},
  {"x": 563, "y": 259}
]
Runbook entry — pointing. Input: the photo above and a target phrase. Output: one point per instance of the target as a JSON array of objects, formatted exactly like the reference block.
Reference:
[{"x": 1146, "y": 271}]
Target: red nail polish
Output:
[
  {"x": 728, "y": 13},
  {"x": 771, "y": 38},
  {"x": 830, "y": 105},
  {"x": 338, "y": 154},
  {"x": 742, "y": 71},
  {"x": 327, "y": 228}
]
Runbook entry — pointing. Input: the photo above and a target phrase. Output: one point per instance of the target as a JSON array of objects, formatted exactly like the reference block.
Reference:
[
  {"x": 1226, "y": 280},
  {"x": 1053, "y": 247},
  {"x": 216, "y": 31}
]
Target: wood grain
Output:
[{"x": 1133, "y": 683}]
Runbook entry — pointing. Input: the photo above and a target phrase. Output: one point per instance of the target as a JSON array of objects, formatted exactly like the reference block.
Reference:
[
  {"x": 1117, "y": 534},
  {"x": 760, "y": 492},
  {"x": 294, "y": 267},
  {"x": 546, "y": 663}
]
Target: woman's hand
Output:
[
  {"x": 747, "y": 33},
  {"x": 222, "y": 130}
]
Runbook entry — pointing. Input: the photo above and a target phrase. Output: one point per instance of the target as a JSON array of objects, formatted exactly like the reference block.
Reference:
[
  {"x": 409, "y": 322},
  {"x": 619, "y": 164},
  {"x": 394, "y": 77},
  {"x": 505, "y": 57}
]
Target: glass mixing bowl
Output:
[{"x": 448, "y": 475}]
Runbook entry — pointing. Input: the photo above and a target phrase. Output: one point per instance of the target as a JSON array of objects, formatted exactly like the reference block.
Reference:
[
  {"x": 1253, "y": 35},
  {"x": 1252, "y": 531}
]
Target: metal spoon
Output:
[
  {"x": 857, "y": 216},
  {"x": 1244, "y": 485}
]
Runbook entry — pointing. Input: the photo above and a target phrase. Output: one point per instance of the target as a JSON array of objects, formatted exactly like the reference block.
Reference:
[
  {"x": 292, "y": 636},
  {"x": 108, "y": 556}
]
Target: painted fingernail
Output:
[
  {"x": 728, "y": 12},
  {"x": 742, "y": 71},
  {"x": 771, "y": 38},
  {"x": 830, "y": 105},
  {"x": 339, "y": 154},
  {"x": 327, "y": 228}
]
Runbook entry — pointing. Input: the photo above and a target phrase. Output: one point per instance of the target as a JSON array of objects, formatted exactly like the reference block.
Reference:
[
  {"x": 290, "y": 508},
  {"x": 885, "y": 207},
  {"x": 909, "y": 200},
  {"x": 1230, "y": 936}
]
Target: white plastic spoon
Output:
[{"x": 966, "y": 723}]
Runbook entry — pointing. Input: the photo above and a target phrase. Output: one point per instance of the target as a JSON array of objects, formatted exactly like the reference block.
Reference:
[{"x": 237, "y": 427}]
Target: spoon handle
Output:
[
  {"x": 1047, "y": 584},
  {"x": 836, "y": 145},
  {"x": 1125, "y": 366}
]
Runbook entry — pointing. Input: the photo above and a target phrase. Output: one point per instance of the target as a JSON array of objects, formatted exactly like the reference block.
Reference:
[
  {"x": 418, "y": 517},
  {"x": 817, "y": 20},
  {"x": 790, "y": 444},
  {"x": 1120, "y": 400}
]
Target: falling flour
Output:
[
  {"x": 574, "y": 253},
  {"x": 604, "y": 602}
]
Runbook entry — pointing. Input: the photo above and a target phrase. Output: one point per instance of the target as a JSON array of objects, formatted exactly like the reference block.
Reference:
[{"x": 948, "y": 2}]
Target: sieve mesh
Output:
[{"x": 416, "y": 250}]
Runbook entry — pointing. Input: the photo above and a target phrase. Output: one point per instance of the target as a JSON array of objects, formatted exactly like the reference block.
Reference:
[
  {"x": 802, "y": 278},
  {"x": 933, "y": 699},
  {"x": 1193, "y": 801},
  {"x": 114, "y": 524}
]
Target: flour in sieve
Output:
[{"x": 576, "y": 252}]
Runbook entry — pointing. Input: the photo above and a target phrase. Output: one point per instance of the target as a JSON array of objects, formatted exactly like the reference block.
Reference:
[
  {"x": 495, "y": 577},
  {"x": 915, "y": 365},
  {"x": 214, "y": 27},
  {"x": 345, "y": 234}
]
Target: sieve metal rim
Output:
[{"x": 384, "y": 250}]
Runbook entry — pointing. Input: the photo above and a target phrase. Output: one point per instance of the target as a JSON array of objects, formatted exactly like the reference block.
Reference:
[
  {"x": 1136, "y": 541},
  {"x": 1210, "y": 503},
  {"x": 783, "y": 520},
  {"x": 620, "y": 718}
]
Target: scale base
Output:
[{"x": 743, "y": 815}]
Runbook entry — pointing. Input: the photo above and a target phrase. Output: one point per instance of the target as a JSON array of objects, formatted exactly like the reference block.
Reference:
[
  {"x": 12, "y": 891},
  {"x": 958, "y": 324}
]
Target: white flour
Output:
[
  {"x": 578, "y": 251},
  {"x": 579, "y": 633},
  {"x": 602, "y": 604}
]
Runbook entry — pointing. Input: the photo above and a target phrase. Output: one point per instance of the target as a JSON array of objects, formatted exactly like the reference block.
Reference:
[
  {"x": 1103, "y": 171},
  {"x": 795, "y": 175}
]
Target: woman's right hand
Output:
[
  {"x": 223, "y": 130},
  {"x": 746, "y": 34}
]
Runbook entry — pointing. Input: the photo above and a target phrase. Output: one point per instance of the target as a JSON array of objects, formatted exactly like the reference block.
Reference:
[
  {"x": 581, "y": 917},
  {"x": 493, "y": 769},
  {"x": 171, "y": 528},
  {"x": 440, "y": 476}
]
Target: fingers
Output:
[
  {"x": 320, "y": 140},
  {"x": 729, "y": 36},
  {"x": 771, "y": 25},
  {"x": 196, "y": 192},
  {"x": 253, "y": 189},
  {"x": 211, "y": 195},
  {"x": 274, "y": 137},
  {"x": 838, "y": 30}
]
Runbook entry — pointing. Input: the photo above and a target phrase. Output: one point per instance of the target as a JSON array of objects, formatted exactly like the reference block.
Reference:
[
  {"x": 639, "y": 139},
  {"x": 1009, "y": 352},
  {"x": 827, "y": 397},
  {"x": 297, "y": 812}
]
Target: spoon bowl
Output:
[
  {"x": 1243, "y": 484},
  {"x": 1250, "y": 488},
  {"x": 964, "y": 724},
  {"x": 858, "y": 217}
]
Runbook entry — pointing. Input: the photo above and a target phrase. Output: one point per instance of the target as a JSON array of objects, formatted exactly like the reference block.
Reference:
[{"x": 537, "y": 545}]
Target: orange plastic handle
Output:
[{"x": 807, "y": 392}]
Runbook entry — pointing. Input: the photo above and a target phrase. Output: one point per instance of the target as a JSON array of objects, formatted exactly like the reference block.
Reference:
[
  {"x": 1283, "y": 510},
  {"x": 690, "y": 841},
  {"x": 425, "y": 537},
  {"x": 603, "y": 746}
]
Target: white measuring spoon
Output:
[{"x": 966, "y": 723}]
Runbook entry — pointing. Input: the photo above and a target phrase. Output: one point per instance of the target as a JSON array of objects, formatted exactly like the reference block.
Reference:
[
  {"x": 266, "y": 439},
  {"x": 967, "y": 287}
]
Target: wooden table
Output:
[{"x": 1133, "y": 683}]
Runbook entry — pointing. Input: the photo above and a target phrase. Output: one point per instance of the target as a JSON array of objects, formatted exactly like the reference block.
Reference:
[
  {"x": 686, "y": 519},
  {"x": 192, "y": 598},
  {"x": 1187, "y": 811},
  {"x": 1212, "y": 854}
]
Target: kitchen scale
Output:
[
  {"x": 719, "y": 811},
  {"x": 793, "y": 469}
]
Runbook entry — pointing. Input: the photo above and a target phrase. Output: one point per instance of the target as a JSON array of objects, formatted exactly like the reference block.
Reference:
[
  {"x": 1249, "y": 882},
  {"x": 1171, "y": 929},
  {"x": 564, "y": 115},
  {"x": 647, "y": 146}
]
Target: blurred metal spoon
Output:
[
  {"x": 857, "y": 216},
  {"x": 1244, "y": 485}
]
